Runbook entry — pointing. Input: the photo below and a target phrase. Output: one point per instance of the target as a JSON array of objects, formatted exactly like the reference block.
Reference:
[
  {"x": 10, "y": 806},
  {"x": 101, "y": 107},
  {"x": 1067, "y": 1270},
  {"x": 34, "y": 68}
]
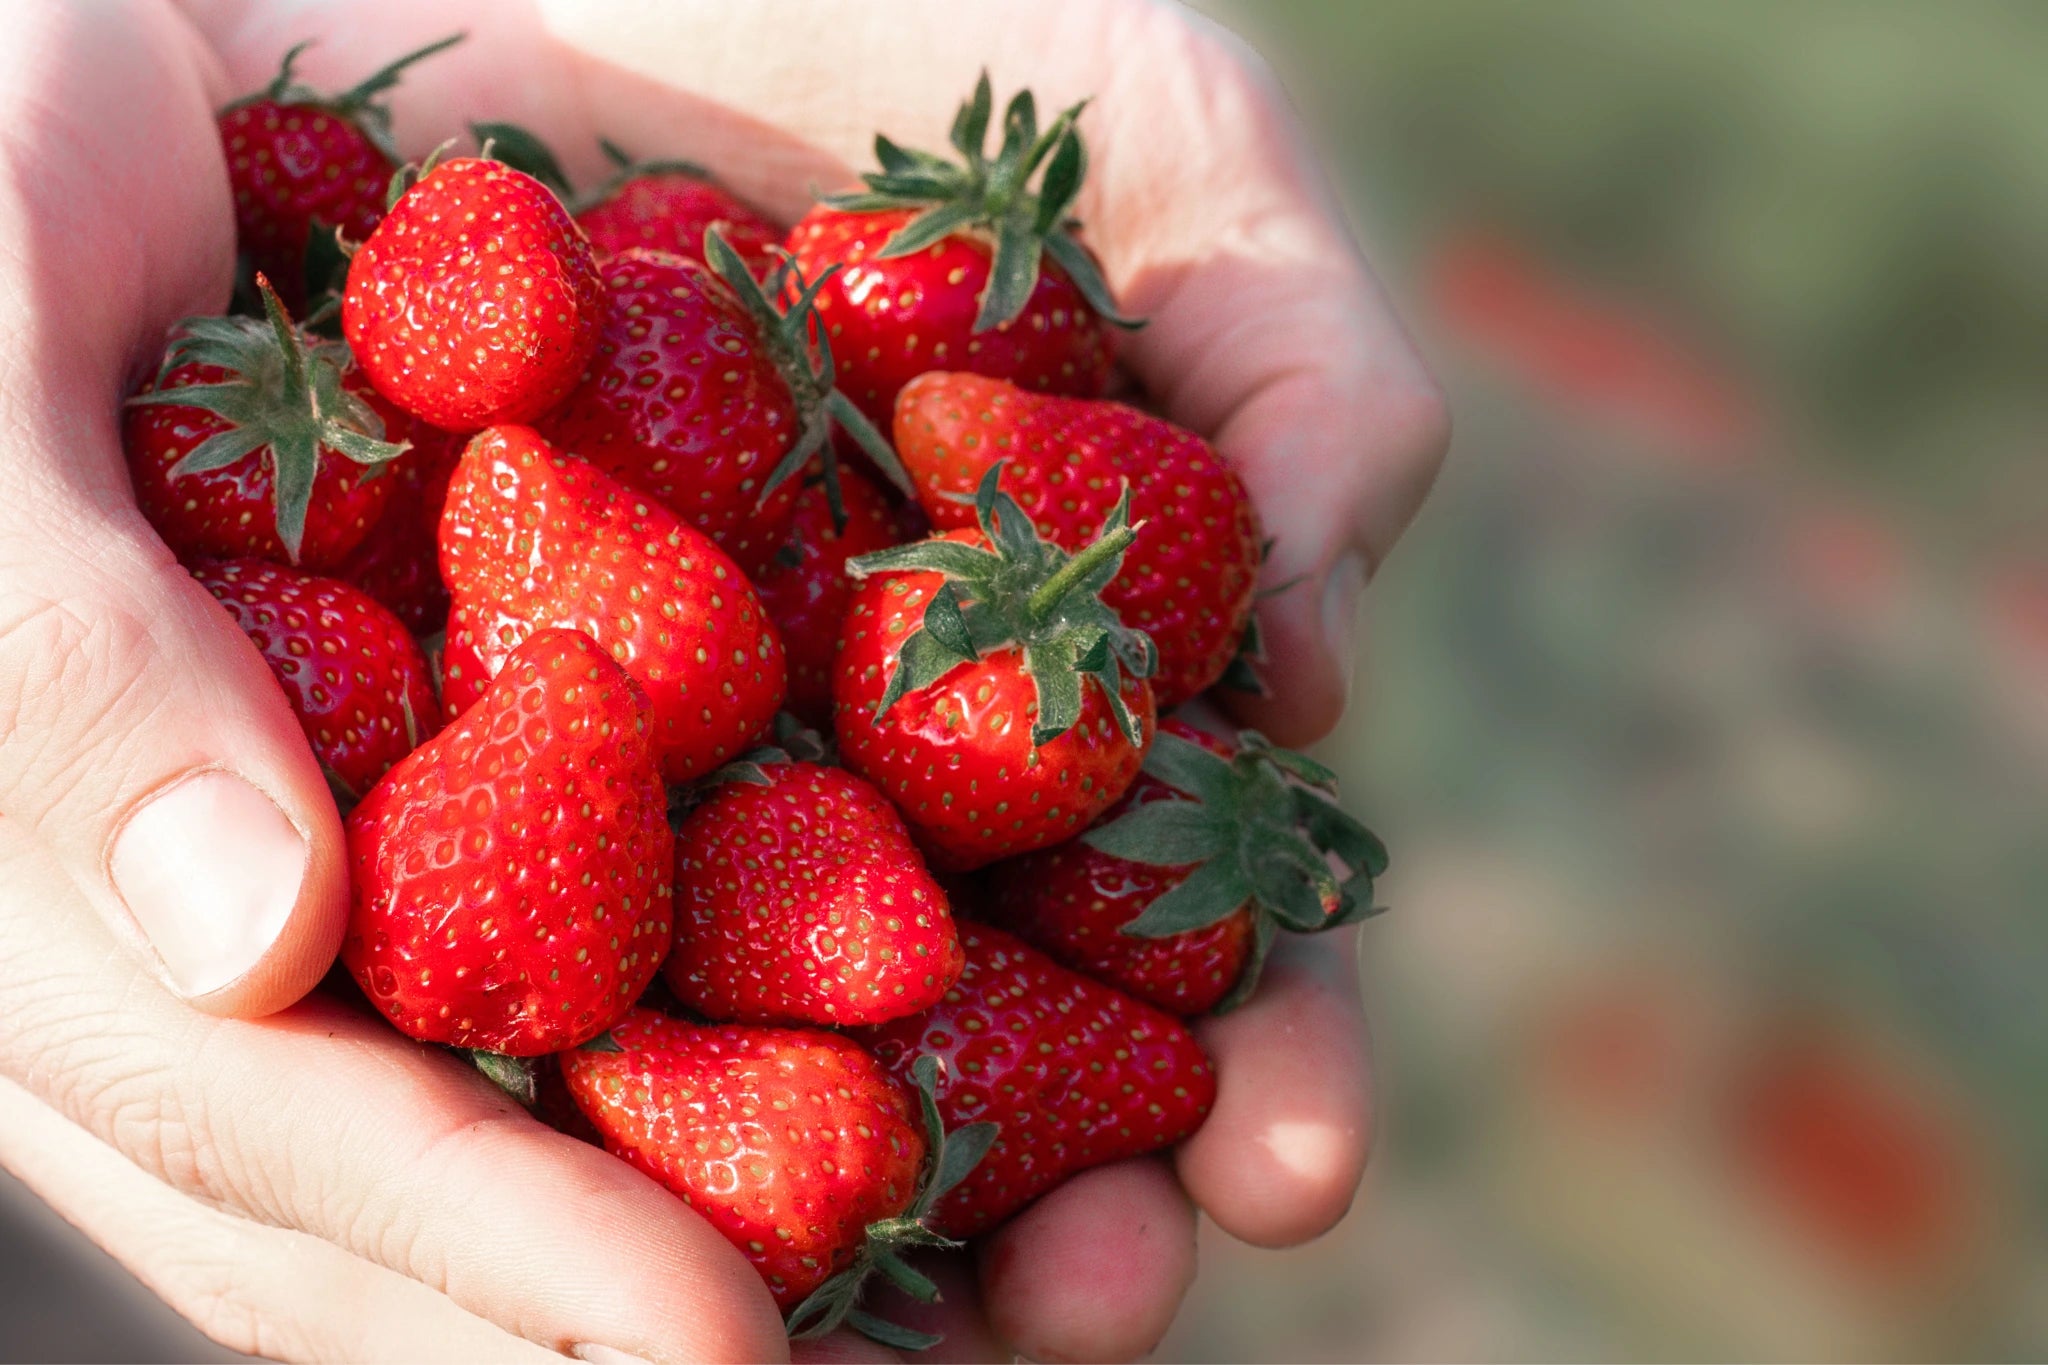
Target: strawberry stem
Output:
[{"x": 1046, "y": 600}]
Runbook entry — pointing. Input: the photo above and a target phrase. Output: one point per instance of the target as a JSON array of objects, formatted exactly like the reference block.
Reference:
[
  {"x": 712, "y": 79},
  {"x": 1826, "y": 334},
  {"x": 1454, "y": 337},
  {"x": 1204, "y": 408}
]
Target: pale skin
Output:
[{"x": 289, "y": 1173}]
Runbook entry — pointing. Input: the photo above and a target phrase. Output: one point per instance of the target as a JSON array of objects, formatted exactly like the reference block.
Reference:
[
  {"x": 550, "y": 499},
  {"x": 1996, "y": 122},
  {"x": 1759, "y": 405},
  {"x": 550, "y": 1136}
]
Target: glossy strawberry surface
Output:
[
  {"x": 290, "y": 166},
  {"x": 399, "y": 561},
  {"x": 670, "y": 211}
]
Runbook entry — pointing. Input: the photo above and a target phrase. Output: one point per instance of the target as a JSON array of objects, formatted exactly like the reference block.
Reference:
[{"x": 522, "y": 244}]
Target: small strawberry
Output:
[
  {"x": 258, "y": 439},
  {"x": 532, "y": 538},
  {"x": 804, "y": 583},
  {"x": 299, "y": 160},
  {"x": 982, "y": 684},
  {"x": 964, "y": 267},
  {"x": 657, "y": 205},
  {"x": 1074, "y": 1075},
  {"x": 354, "y": 677},
  {"x": 1190, "y": 576},
  {"x": 1176, "y": 894},
  {"x": 705, "y": 396},
  {"x": 835, "y": 1182},
  {"x": 399, "y": 562},
  {"x": 511, "y": 876},
  {"x": 476, "y": 300},
  {"x": 801, "y": 900}
]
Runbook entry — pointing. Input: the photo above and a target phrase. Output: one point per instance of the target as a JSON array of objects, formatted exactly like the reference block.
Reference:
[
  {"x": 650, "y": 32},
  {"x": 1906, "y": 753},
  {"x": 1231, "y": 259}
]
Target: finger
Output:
[
  {"x": 956, "y": 1318},
  {"x": 1096, "y": 1269},
  {"x": 257, "y": 1290},
  {"x": 1280, "y": 1156},
  {"x": 843, "y": 1347}
]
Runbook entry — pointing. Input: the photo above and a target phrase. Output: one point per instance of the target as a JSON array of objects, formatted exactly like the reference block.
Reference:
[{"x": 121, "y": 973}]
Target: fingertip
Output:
[
  {"x": 1280, "y": 1158},
  {"x": 956, "y": 1318},
  {"x": 1096, "y": 1269}
]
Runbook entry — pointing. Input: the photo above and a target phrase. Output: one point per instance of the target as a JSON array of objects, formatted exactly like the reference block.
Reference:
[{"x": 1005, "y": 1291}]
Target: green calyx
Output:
[
  {"x": 523, "y": 151},
  {"x": 1026, "y": 592},
  {"x": 358, "y": 103},
  {"x": 1261, "y": 829},
  {"x": 994, "y": 197},
  {"x": 516, "y": 1076},
  {"x": 285, "y": 396},
  {"x": 949, "y": 1159}
]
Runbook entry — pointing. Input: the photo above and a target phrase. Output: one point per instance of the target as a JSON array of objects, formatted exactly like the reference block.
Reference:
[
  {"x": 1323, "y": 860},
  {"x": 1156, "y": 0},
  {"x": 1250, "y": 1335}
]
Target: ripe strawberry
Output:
[
  {"x": 837, "y": 1184},
  {"x": 511, "y": 876},
  {"x": 982, "y": 684},
  {"x": 1073, "y": 1073},
  {"x": 1175, "y": 895},
  {"x": 945, "y": 265},
  {"x": 704, "y": 396},
  {"x": 1189, "y": 578},
  {"x": 801, "y": 900},
  {"x": 531, "y": 538},
  {"x": 657, "y": 205},
  {"x": 476, "y": 300},
  {"x": 805, "y": 587},
  {"x": 354, "y": 678},
  {"x": 259, "y": 439},
  {"x": 399, "y": 562},
  {"x": 298, "y": 159}
]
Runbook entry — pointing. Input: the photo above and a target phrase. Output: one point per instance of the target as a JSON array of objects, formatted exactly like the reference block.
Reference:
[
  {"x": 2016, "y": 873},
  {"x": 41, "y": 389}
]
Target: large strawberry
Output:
[
  {"x": 805, "y": 586},
  {"x": 259, "y": 439},
  {"x": 299, "y": 161},
  {"x": 354, "y": 677},
  {"x": 795, "y": 1145},
  {"x": 964, "y": 266},
  {"x": 656, "y": 205},
  {"x": 476, "y": 300},
  {"x": 1073, "y": 1073},
  {"x": 532, "y": 538},
  {"x": 1189, "y": 578},
  {"x": 510, "y": 878},
  {"x": 982, "y": 684},
  {"x": 706, "y": 396},
  {"x": 399, "y": 562},
  {"x": 1176, "y": 894},
  {"x": 801, "y": 900}
]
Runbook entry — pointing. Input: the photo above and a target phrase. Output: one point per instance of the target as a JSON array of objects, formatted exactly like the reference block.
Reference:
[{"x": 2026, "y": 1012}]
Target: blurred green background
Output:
[{"x": 1706, "y": 706}]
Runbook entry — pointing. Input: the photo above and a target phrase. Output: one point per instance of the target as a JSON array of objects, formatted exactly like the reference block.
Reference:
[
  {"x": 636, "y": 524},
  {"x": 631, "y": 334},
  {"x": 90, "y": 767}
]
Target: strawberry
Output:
[
  {"x": 1073, "y": 1073},
  {"x": 805, "y": 587},
  {"x": 1175, "y": 895},
  {"x": 1190, "y": 576},
  {"x": 963, "y": 266},
  {"x": 982, "y": 684},
  {"x": 355, "y": 679},
  {"x": 657, "y": 205},
  {"x": 476, "y": 301},
  {"x": 258, "y": 439},
  {"x": 836, "y": 1183},
  {"x": 705, "y": 396},
  {"x": 531, "y": 538},
  {"x": 801, "y": 900},
  {"x": 399, "y": 562},
  {"x": 299, "y": 161},
  {"x": 510, "y": 877}
]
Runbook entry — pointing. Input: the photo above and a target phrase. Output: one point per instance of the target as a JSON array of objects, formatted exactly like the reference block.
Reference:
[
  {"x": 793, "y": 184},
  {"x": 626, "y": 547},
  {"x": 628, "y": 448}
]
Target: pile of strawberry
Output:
[{"x": 554, "y": 509}]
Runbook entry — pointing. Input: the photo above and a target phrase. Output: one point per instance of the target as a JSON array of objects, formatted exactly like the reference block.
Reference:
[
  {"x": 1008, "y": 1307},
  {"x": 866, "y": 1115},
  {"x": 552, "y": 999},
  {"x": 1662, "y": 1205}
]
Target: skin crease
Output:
[{"x": 312, "y": 1184}]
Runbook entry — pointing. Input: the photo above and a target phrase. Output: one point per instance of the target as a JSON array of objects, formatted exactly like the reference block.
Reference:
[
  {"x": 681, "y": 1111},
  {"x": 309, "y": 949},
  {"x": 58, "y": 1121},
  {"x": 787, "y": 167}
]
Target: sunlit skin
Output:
[{"x": 315, "y": 1185}]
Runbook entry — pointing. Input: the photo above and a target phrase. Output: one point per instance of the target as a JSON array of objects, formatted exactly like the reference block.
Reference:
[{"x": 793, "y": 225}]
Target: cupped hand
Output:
[{"x": 170, "y": 863}]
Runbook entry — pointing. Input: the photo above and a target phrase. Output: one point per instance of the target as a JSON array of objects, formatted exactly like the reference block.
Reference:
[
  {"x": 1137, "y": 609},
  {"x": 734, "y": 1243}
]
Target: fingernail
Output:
[
  {"x": 606, "y": 1355},
  {"x": 210, "y": 870},
  {"x": 1342, "y": 588}
]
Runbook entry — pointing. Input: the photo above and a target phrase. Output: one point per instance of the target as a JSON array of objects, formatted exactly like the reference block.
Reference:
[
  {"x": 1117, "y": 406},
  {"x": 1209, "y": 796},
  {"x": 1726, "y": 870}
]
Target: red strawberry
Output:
[
  {"x": 1073, "y": 1073},
  {"x": 531, "y": 538},
  {"x": 476, "y": 300},
  {"x": 833, "y": 1183},
  {"x": 511, "y": 876},
  {"x": 1175, "y": 895},
  {"x": 947, "y": 265},
  {"x": 399, "y": 562},
  {"x": 354, "y": 677},
  {"x": 298, "y": 158},
  {"x": 984, "y": 687},
  {"x": 1189, "y": 578},
  {"x": 805, "y": 587},
  {"x": 801, "y": 900},
  {"x": 259, "y": 439}
]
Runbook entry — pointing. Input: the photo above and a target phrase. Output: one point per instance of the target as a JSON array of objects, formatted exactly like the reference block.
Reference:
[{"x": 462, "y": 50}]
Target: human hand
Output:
[{"x": 322, "y": 1120}]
